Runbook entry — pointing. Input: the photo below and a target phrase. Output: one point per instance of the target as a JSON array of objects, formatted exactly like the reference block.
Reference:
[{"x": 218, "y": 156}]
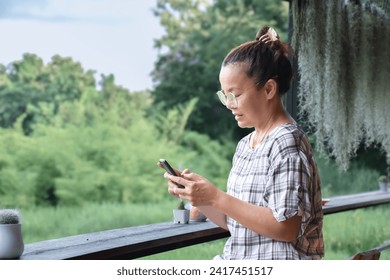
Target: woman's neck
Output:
[{"x": 275, "y": 119}]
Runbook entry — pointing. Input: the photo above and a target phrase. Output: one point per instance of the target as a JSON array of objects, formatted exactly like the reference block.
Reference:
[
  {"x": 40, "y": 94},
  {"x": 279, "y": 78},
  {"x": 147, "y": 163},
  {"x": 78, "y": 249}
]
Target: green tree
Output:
[
  {"x": 172, "y": 124},
  {"x": 27, "y": 84},
  {"x": 19, "y": 86},
  {"x": 198, "y": 36}
]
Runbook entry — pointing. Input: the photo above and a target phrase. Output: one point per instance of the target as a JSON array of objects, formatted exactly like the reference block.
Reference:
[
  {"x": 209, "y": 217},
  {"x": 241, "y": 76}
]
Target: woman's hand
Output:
[{"x": 198, "y": 190}]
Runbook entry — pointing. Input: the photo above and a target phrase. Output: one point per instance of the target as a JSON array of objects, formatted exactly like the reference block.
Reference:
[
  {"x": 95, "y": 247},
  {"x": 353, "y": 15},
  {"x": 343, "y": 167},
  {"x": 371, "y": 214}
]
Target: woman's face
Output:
[{"x": 252, "y": 103}]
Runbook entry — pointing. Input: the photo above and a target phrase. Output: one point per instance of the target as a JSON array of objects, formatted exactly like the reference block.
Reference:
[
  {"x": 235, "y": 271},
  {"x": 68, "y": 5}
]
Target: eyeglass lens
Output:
[{"x": 228, "y": 97}]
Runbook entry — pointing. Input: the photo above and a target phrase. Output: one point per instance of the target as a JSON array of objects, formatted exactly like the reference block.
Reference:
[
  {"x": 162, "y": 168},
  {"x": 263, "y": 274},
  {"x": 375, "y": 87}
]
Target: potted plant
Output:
[
  {"x": 196, "y": 215},
  {"x": 11, "y": 241},
  {"x": 181, "y": 215},
  {"x": 383, "y": 183}
]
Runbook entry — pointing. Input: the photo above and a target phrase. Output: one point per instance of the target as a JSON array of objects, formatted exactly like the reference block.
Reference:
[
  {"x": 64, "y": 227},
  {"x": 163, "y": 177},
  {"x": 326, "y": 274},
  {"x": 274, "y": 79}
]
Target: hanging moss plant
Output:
[{"x": 344, "y": 66}]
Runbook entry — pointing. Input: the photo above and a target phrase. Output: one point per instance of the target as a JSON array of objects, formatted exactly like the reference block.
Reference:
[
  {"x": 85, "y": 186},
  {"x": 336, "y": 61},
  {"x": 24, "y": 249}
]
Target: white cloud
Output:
[
  {"x": 85, "y": 10},
  {"x": 109, "y": 36}
]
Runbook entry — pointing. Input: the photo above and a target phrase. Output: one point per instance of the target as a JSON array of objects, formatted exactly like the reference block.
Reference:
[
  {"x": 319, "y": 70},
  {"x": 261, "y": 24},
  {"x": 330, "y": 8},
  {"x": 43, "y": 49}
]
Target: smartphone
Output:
[{"x": 170, "y": 170}]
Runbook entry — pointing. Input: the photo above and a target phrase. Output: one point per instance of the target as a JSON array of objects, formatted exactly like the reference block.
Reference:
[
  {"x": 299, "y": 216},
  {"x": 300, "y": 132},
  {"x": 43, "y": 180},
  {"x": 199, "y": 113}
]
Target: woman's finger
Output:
[
  {"x": 173, "y": 189},
  {"x": 186, "y": 171},
  {"x": 191, "y": 177},
  {"x": 177, "y": 179}
]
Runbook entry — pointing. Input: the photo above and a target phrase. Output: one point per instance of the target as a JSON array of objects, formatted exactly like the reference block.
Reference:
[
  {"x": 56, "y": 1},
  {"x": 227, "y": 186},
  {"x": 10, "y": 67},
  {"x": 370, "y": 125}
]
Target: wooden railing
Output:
[{"x": 139, "y": 241}]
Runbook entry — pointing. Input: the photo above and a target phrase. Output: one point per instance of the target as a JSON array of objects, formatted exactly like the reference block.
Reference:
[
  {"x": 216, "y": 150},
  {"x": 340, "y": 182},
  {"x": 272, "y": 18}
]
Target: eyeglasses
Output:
[
  {"x": 231, "y": 98},
  {"x": 227, "y": 97}
]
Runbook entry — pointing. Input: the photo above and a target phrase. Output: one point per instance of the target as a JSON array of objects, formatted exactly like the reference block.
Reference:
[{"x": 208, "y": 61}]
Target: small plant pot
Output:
[
  {"x": 181, "y": 216},
  {"x": 383, "y": 186},
  {"x": 11, "y": 241},
  {"x": 196, "y": 215}
]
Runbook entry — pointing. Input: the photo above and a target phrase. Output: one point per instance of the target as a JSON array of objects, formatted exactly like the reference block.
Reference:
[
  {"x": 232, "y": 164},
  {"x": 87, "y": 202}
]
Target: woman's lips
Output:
[{"x": 236, "y": 116}]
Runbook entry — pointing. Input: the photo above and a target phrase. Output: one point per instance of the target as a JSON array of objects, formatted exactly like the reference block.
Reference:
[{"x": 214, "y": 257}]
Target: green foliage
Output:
[
  {"x": 101, "y": 148},
  {"x": 213, "y": 159},
  {"x": 172, "y": 124},
  {"x": 357, "y": 231},
  {"x": 45, "y": 184},
  {"x": 27, "y": 84},
  {"x": 198, "y": 36},
  {"x": 181, "y": 205},
  {"x": 16, "y": 177},
  {"x": 337, "y": 182},
  {"x": 87, "y": 153},
  {"x": 65, "y": 221}
]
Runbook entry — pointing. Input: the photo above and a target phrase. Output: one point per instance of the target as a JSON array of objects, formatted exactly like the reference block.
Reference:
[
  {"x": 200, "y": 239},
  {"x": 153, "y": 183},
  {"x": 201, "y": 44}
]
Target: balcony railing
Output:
[{"x": 139, "y": 241}]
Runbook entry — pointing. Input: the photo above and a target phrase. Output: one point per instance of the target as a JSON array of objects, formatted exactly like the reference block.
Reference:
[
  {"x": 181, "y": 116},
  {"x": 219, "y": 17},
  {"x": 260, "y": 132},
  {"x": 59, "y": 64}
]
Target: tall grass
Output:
[
  {"x": 345, "y": 233},
  {"x": 350, "y": 232},
  {"x": 43, "y": 223}
]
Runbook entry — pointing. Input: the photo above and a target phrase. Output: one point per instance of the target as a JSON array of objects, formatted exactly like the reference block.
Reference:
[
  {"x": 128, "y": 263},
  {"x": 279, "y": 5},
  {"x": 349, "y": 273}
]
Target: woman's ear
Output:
[{"x": 271, "y": 89}]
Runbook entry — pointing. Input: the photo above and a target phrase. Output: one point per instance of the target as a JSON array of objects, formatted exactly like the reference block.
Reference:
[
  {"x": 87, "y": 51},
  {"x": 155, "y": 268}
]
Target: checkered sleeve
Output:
[{"x": 286, "y": 189}]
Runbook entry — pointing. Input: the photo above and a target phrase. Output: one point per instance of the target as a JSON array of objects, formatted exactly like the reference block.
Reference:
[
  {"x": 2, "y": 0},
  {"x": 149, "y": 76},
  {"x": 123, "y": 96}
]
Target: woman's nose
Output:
[{"x": 230, "y": 105}]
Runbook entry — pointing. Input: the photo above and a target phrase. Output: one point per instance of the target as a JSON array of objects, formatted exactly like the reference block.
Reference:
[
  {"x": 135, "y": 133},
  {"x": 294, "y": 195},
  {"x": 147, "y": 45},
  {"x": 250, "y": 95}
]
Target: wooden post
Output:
[{"x": 290, "y": 99}]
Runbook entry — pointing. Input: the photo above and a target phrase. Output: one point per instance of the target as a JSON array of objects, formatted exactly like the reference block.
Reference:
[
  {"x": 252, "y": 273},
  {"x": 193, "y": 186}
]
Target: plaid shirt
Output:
[{"x": 280, "y": 174}]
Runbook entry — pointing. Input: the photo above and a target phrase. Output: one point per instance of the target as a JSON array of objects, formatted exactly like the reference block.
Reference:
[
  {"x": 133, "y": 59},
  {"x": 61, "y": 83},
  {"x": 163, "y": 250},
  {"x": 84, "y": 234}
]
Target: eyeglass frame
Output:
[
  {"x": 223, "y": 97},
  {"x": 229, "y": 97}
]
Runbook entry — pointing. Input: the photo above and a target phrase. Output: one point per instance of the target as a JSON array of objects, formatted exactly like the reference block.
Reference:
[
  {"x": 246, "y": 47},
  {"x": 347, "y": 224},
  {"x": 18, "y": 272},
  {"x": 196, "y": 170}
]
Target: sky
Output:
[{"x": 108, "y": 36}]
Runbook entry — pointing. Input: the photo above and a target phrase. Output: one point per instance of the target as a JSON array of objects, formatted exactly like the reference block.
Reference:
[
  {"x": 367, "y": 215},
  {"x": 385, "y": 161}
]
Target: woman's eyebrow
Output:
[{"x": 232, "y": 89}]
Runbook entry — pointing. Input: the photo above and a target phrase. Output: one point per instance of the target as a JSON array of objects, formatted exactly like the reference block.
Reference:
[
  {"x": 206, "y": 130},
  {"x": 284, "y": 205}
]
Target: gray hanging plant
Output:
[
  {"x": 343, "y": 62},
  {"x": 9, "y": 216}
]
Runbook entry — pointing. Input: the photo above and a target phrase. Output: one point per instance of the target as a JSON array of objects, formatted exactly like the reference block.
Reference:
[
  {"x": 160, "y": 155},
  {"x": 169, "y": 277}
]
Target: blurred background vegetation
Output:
[{"x": 79, "y": 154}]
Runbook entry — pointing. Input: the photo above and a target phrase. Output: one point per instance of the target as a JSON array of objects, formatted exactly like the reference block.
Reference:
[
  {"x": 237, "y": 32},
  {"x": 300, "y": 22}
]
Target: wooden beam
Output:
[
  {"x": 356, "y": 201},
  {"x": 125, "y": 243},
  {"x": 139, "y": 241}
]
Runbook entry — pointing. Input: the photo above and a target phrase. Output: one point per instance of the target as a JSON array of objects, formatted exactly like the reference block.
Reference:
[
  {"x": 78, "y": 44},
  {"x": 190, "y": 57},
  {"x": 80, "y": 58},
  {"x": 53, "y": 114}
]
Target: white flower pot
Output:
[
  {"x": 11, "y": 241},
  {"x": 383, "y": 186},
  {"x": 181, "y": 216}
]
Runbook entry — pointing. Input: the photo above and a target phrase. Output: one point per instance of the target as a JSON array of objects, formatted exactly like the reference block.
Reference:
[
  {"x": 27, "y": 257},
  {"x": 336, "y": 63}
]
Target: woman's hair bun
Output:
[
  {"x": 268, "y": 36},
  {"x": 262, "y": 32}
]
